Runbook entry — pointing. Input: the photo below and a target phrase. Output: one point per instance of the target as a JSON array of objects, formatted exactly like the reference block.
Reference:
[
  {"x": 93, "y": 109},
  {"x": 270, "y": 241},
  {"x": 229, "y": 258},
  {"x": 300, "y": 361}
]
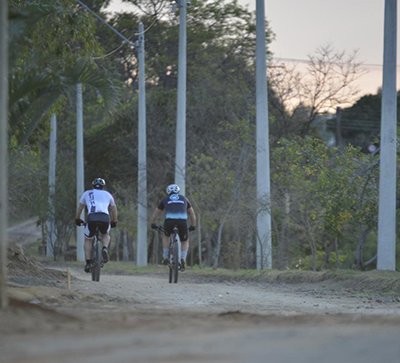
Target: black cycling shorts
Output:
[
  {"x": 169, "y": 225},
  {"x": 101, "y": 220}
]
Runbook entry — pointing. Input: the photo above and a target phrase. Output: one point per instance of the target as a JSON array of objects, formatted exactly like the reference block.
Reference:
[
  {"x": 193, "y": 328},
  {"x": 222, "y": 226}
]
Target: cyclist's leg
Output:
[
  {"x": 184, "y": 251},
  {"x": 183, "y": 235},
  {"x": 90, "y": 230},
  {"x": 104, "y": 236},
  {"x": 165, "y": 243},
  {"x": 165, "y": 250},
  {"x": 105, "y": 239},
  {"x": 168, "y": 226},
  {"x": 88, "y": 248},
  {"x": 89, "y": 233}
]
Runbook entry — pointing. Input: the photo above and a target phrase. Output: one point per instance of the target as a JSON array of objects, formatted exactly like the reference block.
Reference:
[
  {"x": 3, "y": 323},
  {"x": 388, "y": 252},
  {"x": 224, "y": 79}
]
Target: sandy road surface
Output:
[
  {"x": 192, "y": 294},
  {"x": 146, "y": 319}
]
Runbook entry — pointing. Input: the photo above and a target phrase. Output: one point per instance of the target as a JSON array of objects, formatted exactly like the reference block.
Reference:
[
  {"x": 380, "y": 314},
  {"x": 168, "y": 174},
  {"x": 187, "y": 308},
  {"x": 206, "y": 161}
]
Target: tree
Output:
[
  {"x": 53, "y": 50},
  {"x": 221, "y": 99},
  {"x": 328, "y": 197},
  {"x": 327, "y": 83},
  {"x": 360, "y": 123}
]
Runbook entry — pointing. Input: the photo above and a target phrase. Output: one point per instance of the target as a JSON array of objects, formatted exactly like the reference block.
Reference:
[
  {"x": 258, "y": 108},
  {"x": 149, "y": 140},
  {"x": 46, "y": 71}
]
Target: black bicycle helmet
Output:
[{"x": 98, "y": 183}]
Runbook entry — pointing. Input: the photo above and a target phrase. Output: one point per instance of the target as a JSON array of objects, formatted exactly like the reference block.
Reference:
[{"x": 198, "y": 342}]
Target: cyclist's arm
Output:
[
  {"x": 192, "y": 216},
  {"x": 113, "y": 213},
  {"x": 79, "y": 210},
  {"x": 156, "y": 214}
]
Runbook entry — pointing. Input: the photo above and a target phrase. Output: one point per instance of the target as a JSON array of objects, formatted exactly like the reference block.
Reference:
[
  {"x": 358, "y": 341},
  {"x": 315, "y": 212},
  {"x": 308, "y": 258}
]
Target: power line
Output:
[
  {"x": 123, "y": 37},
  {"x": 110, "y": 53},
  {"x": 307, "y": 61}
]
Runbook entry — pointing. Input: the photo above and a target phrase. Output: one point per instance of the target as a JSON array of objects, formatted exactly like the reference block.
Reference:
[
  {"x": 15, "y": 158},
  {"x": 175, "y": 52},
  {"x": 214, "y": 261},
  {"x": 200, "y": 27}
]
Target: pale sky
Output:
[{"x": 301, "y": 26}]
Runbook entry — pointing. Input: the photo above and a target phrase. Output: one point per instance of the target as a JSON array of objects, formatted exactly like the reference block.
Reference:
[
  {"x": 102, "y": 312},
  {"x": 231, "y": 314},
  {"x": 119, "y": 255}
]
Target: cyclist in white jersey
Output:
[{"x": 99, "y": 205}]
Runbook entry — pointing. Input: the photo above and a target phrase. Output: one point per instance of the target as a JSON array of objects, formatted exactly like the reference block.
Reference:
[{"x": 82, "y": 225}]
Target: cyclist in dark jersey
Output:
[{"x": 176, "y": 209}]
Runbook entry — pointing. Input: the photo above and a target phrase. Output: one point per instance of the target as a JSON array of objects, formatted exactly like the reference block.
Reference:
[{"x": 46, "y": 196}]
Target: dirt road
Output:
[{"x": 146, "y": 319}]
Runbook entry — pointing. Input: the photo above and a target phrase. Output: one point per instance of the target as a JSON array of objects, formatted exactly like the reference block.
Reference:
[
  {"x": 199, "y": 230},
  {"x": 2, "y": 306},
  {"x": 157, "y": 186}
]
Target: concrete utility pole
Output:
[
  {"x": 387, "y": 179},
  {"x": 80, "y": 176},
  {"x": 51, "y": 238},
  {"x": 3, "y": 151},
  {"x": 264, "y": 248},
  {"x": 180, "y": 150},
  {"x": 141, "y": 242}
]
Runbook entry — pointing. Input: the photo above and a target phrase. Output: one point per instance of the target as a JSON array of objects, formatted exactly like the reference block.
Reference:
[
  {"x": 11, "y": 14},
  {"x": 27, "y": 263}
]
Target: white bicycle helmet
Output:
[
  {"x": 98, "y": 183},
  {"x": 173, "y": 189}
]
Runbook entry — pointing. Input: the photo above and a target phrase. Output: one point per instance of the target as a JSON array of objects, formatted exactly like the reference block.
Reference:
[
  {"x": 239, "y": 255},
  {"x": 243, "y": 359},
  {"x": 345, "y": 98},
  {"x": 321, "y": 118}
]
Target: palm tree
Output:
[{"x": 52, "y": 50}]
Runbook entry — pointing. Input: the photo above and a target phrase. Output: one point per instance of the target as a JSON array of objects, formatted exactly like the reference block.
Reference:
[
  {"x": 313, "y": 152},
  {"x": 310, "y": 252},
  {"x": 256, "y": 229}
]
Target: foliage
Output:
[
  {"x": 326, "y": 189},
  {"x": 217, "y": 61},
  {"x": 323, "y": 199},
  {"x": 52, "y": 51},
  {"x": 27, "y": 176},
  {"x": 360, "y": 124}
]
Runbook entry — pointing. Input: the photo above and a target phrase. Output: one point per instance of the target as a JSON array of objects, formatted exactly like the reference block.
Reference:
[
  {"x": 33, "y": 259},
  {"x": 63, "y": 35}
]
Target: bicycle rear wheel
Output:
[
  {"x": 171, "y": 273},
  {"x": 174, "y": 262},
  {"x": 96, "y": 257}
]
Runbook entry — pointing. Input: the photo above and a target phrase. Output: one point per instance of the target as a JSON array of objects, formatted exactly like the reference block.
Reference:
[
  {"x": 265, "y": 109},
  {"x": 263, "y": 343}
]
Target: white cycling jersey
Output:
[{"x": 97, "y": 201}]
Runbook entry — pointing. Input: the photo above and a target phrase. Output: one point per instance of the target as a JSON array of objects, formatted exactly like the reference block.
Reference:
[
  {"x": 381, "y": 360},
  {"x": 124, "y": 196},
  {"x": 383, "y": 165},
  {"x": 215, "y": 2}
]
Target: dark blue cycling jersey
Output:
[{"x": 175, "y": 206}]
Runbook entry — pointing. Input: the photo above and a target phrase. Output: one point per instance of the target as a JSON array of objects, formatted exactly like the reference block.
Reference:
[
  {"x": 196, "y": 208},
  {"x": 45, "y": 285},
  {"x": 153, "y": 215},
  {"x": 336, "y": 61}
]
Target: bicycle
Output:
[
  {"x": 96, "y": 255},
  {"x": 174, "y": 254}
]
